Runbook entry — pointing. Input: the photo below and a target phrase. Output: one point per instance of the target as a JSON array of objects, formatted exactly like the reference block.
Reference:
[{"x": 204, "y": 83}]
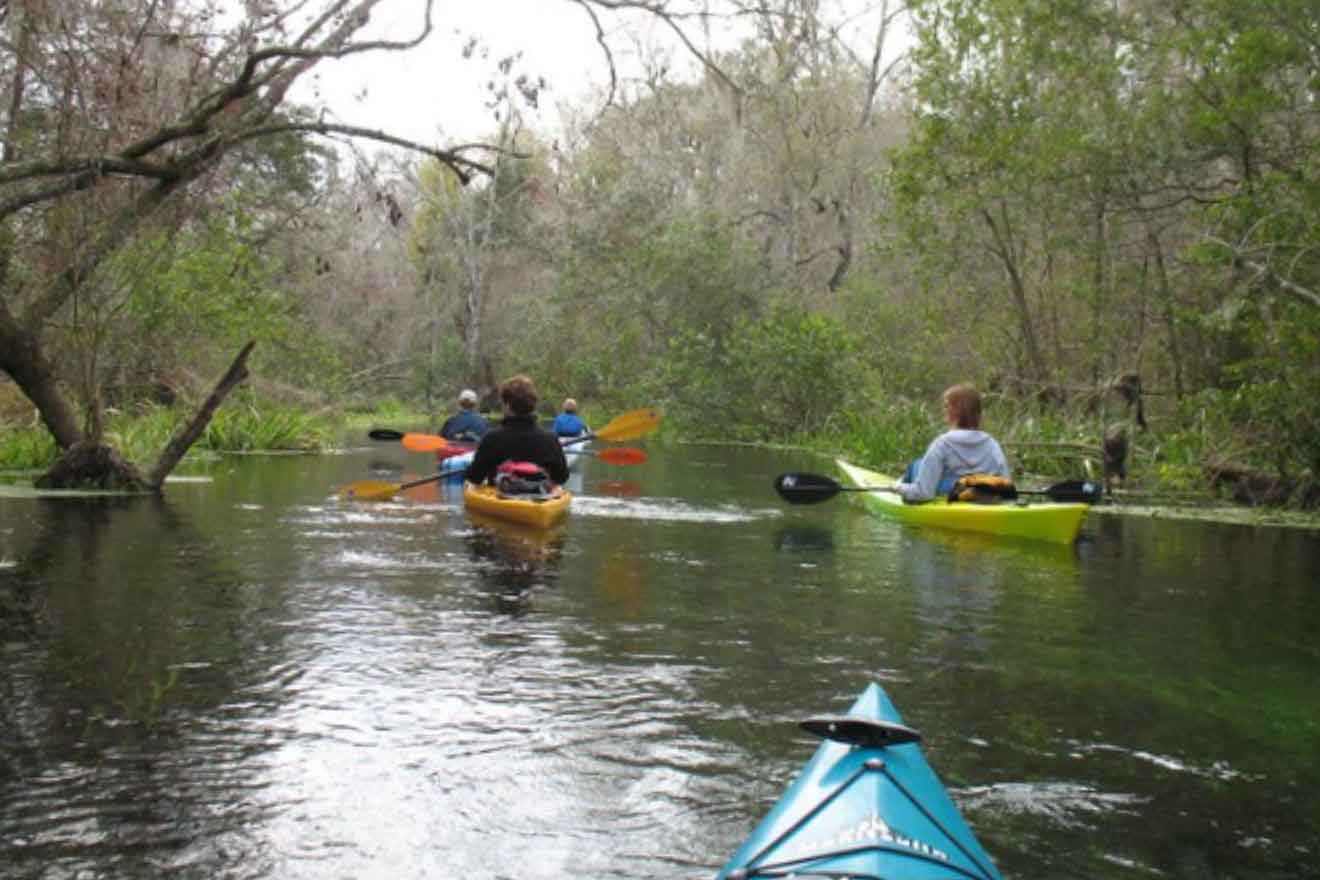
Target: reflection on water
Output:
[
  {"x": 802, "y": 538},
  {"x": 620, "y": 488},
  {"x": 252, "y": 678},
  {"x": 515, "y": 559}
]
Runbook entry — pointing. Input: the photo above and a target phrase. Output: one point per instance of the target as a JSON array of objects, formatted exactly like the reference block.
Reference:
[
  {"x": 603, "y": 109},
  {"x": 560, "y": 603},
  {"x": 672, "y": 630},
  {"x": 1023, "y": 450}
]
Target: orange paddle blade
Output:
[{"x": 425, "y": 443}]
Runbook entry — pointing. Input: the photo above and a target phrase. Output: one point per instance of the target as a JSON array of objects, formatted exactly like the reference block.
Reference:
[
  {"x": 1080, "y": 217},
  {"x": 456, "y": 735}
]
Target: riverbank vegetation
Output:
[{"x": 1104, "y": 215}]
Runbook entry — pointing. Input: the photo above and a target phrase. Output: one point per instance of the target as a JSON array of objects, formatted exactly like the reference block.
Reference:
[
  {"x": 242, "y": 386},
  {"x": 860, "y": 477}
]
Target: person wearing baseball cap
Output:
[{"x": 465, "y": 426}]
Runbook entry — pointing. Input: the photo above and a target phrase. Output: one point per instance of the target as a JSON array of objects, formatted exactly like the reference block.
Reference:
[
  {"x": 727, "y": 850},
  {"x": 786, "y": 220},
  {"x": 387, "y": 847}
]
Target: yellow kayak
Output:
[
  {"x": 1037, "y": 521},
  {"x": 538, "y": 511}
]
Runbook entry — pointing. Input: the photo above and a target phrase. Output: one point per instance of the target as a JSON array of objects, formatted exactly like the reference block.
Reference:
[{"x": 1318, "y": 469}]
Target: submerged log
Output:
[{"x": 1252, "y": 486}]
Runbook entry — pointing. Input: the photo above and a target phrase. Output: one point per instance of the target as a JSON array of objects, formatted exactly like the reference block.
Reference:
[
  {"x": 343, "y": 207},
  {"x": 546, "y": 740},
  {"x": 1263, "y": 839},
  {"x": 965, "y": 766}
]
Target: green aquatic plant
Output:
[
  {"x": 26, "y": 449},
  {"x": 252, "y": 425}
]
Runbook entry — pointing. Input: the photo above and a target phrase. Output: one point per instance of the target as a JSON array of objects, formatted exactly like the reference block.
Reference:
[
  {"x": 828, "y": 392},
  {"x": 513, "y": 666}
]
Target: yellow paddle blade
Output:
[
  {"x": 370, "y": 490},
  {"x": 630, "y": 425}
]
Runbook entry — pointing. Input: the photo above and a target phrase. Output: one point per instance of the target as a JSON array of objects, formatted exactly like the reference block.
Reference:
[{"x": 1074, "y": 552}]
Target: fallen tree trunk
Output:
[
  {"x": 92, "y": 464},
  {"x": 179, "y": 445}
]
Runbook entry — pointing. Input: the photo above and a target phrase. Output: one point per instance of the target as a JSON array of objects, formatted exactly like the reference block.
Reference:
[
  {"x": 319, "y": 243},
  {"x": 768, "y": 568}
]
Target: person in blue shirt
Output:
[
  {"x": 567, "y": 423},
  {"x": 465, "y": 426}
]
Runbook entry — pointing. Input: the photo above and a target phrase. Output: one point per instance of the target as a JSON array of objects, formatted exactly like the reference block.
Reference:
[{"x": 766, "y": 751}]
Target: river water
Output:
[{"x": 253, "y": 679}]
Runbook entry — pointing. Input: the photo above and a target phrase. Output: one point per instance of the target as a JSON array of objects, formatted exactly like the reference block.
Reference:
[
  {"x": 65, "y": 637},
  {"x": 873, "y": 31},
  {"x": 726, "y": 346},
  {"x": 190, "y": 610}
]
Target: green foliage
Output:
[
  {"x": 248, "y": 424},
  {"x": 245, "y": 423},
  {"x": 887, "y": 434},
  {"x": 144, "y": 431},
  {"x": 909, "y": 344},
  {"x": 26, "y": 449},
  {"x": 387, "y": 411},
  {"x": 1272, "y": 402},
  {"x": 690, "y": 271},
  {"x": 786, "y": 375},
  {"x": 203, "y": 294}
]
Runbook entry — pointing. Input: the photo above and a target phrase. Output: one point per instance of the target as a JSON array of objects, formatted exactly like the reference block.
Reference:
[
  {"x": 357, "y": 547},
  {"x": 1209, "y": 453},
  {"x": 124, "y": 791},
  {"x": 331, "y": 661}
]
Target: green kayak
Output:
[{"x": 1038, "y": 521}]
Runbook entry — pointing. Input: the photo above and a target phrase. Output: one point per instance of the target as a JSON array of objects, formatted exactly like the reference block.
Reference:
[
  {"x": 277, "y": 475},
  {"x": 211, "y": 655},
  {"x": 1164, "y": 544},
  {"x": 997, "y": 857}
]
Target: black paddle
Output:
[{"x": 814, "y": 488}]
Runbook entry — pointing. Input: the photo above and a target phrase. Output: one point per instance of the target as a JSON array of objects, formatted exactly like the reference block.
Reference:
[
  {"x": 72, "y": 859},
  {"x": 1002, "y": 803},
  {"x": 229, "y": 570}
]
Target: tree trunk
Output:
[
  {"x": 182, "y": 441},
  {"x": 1166, "y": 306},
  {"x": 22, "y": 359},
  {"x": 88, "y": 465},
  {"x": 1018, "y": 287}
]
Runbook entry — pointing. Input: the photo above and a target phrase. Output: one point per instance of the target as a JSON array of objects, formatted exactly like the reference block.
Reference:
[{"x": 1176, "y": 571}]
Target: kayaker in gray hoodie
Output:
[{"x": 963, "y": 449}]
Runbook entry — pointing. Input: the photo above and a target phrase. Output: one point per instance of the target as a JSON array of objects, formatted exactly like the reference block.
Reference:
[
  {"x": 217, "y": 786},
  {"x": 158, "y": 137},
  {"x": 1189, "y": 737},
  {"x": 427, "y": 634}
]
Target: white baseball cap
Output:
[{"x": 467, "y": 395}]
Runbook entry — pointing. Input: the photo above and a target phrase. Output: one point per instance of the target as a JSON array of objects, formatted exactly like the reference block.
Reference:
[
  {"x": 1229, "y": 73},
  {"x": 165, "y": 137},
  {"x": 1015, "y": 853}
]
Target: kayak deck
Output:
[
  {"x": 1036, "y": 521},
  {"x": 861, "y": 810},
  {"x": 539, "y": 511}
]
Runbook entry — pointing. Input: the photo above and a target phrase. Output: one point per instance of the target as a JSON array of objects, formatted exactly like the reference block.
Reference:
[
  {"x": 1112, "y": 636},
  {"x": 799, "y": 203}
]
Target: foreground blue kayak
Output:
[{"x": 867, "y": 805}]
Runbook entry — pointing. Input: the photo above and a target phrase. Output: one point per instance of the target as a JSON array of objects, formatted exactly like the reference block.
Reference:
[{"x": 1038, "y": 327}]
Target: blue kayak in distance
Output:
[
  {"x": 867, "y": 805},
  {"x": 455, "y": 466}
]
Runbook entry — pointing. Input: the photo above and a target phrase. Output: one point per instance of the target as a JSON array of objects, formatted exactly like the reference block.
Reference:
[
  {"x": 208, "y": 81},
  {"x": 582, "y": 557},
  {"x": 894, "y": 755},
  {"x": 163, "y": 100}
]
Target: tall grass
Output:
[
  {"x": 885, "y": 437},
  {"x": 390, "y": 412},
  {"x": 141, "y": 435},
  {"x": 242, "y": 425},
  {"x": 252, "y": 426}
]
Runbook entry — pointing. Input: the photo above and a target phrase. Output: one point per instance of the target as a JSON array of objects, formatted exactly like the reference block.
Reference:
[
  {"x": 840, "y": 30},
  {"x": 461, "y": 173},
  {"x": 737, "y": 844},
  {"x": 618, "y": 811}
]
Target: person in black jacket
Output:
[{"x": 518, "y": 437}]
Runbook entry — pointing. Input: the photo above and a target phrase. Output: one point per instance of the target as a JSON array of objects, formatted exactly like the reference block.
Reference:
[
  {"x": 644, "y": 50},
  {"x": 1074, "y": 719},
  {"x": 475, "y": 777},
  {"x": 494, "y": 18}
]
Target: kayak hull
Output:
[
  {"x": 541, "y": 513},
  {"x": 864, "y": 812},
  {"x": 1035, "y": 521},
  {"x": 455, "y": 466}
]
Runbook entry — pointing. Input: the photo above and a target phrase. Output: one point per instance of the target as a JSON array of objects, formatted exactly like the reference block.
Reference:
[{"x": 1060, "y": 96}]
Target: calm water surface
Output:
[{"x": 252, "y": 679}]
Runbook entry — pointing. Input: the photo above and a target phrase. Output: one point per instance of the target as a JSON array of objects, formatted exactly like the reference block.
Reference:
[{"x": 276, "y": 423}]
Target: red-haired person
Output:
[{"x": 963, "y": 449}]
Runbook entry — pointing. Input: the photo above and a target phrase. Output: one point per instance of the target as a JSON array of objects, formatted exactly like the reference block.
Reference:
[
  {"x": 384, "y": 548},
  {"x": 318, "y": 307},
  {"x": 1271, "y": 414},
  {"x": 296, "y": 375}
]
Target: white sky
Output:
[{"x": 432, "y": 93}]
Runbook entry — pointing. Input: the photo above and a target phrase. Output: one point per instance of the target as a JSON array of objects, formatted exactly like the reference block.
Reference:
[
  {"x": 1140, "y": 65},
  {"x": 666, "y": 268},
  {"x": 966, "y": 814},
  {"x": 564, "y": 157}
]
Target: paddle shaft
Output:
[
  {"x": 892, "y": 491},
  {"x": 624, "y": 427},
  {"x": 422, "y": 481}
]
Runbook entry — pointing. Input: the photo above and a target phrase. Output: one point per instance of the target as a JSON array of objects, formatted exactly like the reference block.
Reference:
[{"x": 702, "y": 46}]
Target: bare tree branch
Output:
[{"x": 462, "y": 166}]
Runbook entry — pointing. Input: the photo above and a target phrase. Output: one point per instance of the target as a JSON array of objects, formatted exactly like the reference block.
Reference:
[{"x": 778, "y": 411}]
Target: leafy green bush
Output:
[
  {"x": 26, "y": 449},
  {"x": 786, "y": 375},
  {"x": 202, "y": 294}
]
